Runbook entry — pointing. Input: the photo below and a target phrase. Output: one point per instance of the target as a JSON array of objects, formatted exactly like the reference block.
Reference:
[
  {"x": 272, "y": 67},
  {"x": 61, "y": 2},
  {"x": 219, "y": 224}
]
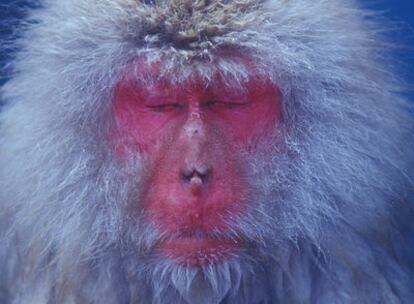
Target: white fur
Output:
[{"x": 332, "y": 217}]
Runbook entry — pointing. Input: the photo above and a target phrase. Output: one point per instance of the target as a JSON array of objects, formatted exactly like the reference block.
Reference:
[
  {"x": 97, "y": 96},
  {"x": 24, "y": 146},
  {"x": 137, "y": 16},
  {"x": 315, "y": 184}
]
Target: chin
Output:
[
  {"x": 201, "y": 266},
  {"x": 208, "y": 272}
]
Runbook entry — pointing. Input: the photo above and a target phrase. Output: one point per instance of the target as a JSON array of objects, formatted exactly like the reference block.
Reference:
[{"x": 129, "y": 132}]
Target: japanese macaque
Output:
[{"x": 176, "y": 151}]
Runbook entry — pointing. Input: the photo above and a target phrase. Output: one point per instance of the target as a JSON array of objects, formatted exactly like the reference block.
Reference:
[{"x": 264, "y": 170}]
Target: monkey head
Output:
[{"x": 221, "y": 151}]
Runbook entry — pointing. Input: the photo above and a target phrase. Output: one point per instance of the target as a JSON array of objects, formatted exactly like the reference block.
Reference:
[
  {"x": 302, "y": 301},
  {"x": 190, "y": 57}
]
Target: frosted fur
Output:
[{"x": 333, "y": 216}]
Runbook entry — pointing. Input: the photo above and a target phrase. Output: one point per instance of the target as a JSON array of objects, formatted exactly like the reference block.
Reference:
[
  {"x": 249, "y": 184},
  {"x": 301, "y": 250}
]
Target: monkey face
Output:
[{"x": 194, "y": 134}]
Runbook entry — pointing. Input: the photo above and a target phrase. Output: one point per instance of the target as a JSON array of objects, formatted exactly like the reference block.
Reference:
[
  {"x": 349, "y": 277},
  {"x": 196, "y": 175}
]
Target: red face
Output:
[{"x": 193, "y": 134}]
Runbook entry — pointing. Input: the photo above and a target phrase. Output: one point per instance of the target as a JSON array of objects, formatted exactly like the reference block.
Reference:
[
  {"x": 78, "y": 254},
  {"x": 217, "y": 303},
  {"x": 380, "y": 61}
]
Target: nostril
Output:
[{"x": 195, "y": 176}]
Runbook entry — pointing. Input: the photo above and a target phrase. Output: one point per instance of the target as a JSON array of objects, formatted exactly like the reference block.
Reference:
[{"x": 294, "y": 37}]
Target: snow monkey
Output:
[{"x": 222, "y": 151}]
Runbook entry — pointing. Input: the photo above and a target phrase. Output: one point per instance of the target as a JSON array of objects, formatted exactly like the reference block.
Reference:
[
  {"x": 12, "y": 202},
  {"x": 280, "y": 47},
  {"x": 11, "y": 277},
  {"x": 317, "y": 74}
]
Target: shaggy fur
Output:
[{"x": 333, "y": 220}]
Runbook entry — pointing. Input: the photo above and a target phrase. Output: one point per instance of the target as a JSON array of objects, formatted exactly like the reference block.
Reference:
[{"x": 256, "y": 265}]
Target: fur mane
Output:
[{"x": 334, "y": 216}]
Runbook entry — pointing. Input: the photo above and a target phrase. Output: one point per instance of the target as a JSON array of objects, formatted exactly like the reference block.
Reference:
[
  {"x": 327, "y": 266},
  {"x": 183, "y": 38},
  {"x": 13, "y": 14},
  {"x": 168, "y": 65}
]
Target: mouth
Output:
[{"x": 199, "y": 251}]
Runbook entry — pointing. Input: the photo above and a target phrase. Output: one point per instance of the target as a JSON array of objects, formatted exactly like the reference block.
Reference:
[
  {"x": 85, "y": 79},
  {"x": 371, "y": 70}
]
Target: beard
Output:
[{"x": 238, "y": 279}]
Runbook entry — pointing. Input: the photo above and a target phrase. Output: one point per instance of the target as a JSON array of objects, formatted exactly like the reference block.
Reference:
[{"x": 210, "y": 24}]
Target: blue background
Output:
[{"x": 400, "y": 12}]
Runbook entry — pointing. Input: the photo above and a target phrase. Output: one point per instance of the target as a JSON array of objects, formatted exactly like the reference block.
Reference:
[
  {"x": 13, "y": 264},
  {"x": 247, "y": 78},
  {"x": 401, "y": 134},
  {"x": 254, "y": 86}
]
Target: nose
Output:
[
  {"x": 196, "y": 175},
  {"x": 195, "y": 169},
  {"x": 196, "y": 178}
]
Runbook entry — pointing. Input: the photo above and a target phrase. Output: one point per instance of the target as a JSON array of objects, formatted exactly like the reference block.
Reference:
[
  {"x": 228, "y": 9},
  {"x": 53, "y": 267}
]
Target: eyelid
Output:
[
  {"x": 165, "y": 107},
  {"x": 227, "y": 104}
]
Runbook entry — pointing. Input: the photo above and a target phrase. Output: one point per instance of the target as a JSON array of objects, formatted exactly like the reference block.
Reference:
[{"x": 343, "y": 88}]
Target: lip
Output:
[{"x": 199, "y": 251}]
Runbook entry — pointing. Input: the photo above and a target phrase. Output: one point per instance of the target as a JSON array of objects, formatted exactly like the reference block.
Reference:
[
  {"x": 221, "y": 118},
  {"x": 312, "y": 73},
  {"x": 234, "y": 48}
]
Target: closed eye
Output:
[
  {"x": 166, "y": 107},
  {"x": 223, "y": 104}
]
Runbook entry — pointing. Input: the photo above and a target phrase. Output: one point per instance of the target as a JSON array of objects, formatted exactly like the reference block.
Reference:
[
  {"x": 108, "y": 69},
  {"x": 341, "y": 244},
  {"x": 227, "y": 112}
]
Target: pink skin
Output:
[{"x": 192, "y": 133}]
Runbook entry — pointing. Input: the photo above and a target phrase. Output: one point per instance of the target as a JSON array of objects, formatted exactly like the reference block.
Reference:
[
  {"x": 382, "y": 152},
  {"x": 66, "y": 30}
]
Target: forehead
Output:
[{"x": 227, "y": 69}]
